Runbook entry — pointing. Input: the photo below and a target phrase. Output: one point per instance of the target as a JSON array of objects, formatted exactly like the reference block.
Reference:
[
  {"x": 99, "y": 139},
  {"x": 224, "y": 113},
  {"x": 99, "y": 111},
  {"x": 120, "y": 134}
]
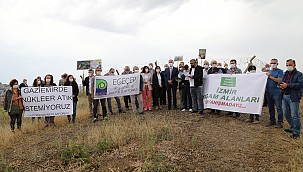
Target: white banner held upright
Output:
[
  {"x": 116, "y": 86},
  {"x": 47, "y": 101},
  {"x": 242, "y": 93}
]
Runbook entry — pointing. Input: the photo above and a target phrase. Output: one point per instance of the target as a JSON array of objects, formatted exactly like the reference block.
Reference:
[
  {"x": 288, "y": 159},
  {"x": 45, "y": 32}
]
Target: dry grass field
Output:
[{"x": 156, "y": 141}]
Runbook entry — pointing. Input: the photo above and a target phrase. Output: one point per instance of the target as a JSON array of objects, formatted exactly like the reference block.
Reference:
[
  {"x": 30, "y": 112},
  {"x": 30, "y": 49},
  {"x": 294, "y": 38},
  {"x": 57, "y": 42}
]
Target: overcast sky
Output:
[{"x": 49, "y": 36}]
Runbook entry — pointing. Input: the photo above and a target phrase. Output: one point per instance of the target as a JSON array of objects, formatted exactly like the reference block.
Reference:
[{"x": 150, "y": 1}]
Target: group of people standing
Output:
[
  {"x": 158, "y": 88},
  {"x": 13, "y": 103}
]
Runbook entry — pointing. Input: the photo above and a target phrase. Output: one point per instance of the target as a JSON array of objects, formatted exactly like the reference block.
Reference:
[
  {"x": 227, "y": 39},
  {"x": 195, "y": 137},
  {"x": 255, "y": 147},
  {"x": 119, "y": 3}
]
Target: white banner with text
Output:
[{"x": 242, "y": 93}]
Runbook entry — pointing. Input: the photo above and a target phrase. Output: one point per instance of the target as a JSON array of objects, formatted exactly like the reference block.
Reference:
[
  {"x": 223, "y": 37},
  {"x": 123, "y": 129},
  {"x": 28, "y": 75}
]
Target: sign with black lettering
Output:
[
  {"x": 47, "y": 101},
  {"x": 116, "y": 86}
]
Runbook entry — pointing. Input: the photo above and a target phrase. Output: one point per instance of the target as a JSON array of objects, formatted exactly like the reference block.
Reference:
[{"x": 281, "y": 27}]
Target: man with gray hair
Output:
[
  {"x": 170, "y": 75},
  {"x": 139, "y": 98},
  {"x": 196, "y": 82},
  {"x": 127, "y": 99}
]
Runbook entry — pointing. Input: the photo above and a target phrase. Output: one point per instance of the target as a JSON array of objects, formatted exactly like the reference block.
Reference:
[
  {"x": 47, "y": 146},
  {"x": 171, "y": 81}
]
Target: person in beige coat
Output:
[{"x": 147, "y": 88}]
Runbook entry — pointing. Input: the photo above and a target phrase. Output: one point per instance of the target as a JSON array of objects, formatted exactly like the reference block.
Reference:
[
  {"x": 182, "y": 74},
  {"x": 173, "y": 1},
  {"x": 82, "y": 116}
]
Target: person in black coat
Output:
[
  {"x": 196, "y": 82},
  {"x": 158, "y": 87},
  {"x": 23, "y": 84},
  {"x": 164, "y": 88},
  {"x": 70, "y": 81}
]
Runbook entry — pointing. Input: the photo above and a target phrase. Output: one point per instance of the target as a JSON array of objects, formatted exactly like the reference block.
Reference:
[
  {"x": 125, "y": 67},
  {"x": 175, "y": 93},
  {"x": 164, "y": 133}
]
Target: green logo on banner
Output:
[
  {"x": 101, "y": 87},
  {"x": 228, "y": 81}
]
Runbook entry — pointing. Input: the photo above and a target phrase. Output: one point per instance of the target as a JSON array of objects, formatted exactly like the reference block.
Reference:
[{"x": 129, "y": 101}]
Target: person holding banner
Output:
[
  {"x": 274, "y": 94},
  {"x": 196, "y": 82},
  {"x": 37, "y": 83},
  {"x": 70, "y": 81},
  {"x": 254, "y": 118},
  {"x": 214, "y": 70},
  {"x": 127, "y": 99},
  {"x": 96, "y": 101},
  {"x": 234, "y": 70},
  {"x": 292, "y": 87},
  {"x": 49, "y": 82},
  {"x": 138, "y": 109},
  {"x": 158, "y": 85},
  {"x": 13, "y": 104},
  {"x": 170, "y": 75},
  {"x": 109, "y": 102},
  {"x": 147, "y": 88}
]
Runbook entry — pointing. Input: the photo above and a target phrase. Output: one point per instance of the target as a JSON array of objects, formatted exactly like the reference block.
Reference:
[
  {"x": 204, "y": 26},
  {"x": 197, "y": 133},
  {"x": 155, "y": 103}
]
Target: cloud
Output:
[{"x": 114, "y": 16}]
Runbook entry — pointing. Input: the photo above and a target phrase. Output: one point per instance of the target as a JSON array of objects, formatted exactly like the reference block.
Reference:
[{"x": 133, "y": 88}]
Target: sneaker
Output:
[
  {"x": 190, "y": 110},
  {"x": 141, "y": 113},
  {"x": 105, "y": 118},
  {"x": 183, "y": 110},
  {"x": 249, "y": 120},
  {"x": 256, "y": 122},
  {"x": 279, "y": 125},
  {"x": 295, "y": 136},
  {"x": 288, "y": 130},
  {"x": 95, "y": 120}
]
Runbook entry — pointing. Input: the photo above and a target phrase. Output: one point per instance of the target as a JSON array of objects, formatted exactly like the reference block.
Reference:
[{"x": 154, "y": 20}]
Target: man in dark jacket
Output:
[
  {"x": 292, "y": 85},
  {"x": 23, "y": 84},
  {"x": 196, "y": 82},
  {"x": 170, "y": 75}
]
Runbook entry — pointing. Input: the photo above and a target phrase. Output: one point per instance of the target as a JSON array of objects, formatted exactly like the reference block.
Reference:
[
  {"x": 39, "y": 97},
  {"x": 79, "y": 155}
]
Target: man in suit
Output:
[
  {"x": 170, "y": 75},
  {"x": 164, "y": 88}
]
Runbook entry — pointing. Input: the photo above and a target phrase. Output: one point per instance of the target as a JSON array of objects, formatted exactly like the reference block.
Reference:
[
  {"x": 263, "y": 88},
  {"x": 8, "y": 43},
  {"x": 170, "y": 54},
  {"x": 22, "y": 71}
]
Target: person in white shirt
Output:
[{"x": 186, "y": 96}]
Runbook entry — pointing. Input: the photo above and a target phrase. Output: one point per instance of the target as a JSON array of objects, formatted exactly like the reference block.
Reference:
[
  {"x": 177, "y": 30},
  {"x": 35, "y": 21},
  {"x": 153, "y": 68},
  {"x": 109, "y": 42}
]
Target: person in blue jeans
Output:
[
  {"x": 292, "y": 86},
  {"x": 273, "y": 94},
  {"x": 109, "y": 103}
]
